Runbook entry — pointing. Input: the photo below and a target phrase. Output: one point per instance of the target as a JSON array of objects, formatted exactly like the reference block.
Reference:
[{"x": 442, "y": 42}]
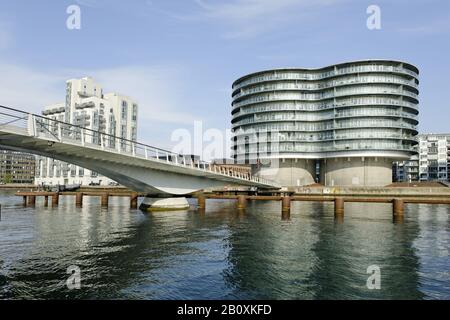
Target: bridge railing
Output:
[{"x": 56, "y": 130}]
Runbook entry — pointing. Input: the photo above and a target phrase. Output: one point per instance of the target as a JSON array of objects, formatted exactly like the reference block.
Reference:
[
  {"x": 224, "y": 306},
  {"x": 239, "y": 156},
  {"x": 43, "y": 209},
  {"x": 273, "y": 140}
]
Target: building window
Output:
[
  {"x": 124, "y": 110},
  {"x": 134, "y": 117}
]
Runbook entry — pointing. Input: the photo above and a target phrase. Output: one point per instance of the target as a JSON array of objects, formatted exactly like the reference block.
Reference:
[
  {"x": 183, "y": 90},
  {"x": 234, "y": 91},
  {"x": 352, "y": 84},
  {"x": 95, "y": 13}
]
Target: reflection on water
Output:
[{"x": 222, "y": 253}]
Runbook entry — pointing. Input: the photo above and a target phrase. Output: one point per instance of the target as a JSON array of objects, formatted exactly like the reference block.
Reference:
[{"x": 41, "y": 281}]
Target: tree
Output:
[{"x": 7, "y": 178}]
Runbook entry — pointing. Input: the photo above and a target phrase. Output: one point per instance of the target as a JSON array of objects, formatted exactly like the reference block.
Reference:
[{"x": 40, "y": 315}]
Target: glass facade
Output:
[{"x": 357, "y": 106}]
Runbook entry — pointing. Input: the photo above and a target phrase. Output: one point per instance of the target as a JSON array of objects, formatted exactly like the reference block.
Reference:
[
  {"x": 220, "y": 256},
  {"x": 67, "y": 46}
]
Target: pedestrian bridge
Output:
[{"x": 135, "y": 165}]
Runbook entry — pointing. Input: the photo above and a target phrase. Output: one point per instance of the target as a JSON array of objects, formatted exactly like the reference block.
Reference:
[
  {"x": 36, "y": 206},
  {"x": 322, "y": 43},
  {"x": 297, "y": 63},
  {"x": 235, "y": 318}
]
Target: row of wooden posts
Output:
[
  {"x": 29, "y": 198},
  {"x": 398, "y": 205}
]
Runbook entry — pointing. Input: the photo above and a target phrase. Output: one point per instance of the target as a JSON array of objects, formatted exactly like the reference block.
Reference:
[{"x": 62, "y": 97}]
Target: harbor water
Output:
[{"x": 222, "y": 253}]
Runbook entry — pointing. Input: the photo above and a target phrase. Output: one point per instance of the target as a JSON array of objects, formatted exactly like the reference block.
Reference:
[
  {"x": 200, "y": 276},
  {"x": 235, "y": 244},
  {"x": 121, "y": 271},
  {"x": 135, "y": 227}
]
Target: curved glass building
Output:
[{"x": 349, "y": 120}]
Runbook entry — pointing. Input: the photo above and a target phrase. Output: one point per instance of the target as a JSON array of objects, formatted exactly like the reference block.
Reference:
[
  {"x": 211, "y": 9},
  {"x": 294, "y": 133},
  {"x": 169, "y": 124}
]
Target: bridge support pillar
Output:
[
  {"x": 134, "y": 200},
  {"x": 45, "y": 201},
  {"x": 104, "y": 201},
  {"x": 79, "y": 199},
  {"x": 286, "y": 208},
  {"x": 338, "y": 207},
  {"x": 241, "y": 202},
  {"x": 24, "y": 201},
  {"x": 31, "y": 200},
  {"x": 55, "y": 199}
]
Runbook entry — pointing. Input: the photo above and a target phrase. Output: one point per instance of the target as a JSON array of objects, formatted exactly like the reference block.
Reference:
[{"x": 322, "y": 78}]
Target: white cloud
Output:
[
  {"x": 158, "y": 90},
  {"x": 6, "y": 37},
  {"x": 240, "y": 10},
  {"x": 24, "y": 88},
  {"x": 247, "y": 18},
  {"x": 93, "y": 3},
  {"x": 428, "y": 28}
]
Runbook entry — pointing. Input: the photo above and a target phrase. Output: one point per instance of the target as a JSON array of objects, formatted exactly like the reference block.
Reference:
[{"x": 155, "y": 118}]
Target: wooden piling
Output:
[
  {"x": 398, "y": 219},
  {"x": 338, "y": 219},
  {"x": 398, "y": 207},
  {"x": 338, "y": 207},
  {"x": 31, "y": 200},
  {"x": 286, "y": 208},
  {"x": 45, "y": 201},
  {"x": 24, "y": 201},
  {"x": 286, "y": 203},
  {"x": 201, "y": 201},
  {"x": 55, "y": 199},
  {"x": 79, "y": 199},
  {"x": 241, "y": 202},
  {"x": 134, "y": 200},
  {"x": 285, "y": 215},
  {"x": 104, "y": 200}
]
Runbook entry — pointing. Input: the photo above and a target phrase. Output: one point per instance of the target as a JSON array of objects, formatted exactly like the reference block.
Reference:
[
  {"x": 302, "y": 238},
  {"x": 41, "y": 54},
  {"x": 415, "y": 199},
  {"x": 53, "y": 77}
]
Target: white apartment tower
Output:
[
  {"x": 87, "y": 106},
  {"x": 434, "y": 157},
  {"x": 432, "y": 163}
]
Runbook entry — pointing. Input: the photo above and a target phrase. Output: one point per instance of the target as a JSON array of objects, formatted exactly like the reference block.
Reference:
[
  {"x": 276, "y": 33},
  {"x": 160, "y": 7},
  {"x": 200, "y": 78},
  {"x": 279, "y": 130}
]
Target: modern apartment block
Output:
[
  {"x": 406, "y": 171},
  {"x": 349, "y": 122},
  {"x": 432, "y": 162},
  {"x": 87, "y": 106},
  {"x": 16, "y": 167}
]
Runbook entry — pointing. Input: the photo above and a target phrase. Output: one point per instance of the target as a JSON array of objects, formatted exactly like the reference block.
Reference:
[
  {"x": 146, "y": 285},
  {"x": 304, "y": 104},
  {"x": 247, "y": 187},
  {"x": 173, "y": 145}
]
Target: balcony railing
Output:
[
  {"x": 313, "y": 75},
  {"x": 324, "y": 86},
  {"x": 294, "y": 96}
]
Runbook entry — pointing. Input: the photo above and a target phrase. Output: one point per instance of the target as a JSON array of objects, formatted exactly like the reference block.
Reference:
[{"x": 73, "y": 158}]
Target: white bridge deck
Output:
[{"x": 138, "y": 166}]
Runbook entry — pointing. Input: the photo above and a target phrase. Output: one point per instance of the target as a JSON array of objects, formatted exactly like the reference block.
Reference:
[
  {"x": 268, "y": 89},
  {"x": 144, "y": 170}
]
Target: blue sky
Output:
[{"x": 179, "y": 58}]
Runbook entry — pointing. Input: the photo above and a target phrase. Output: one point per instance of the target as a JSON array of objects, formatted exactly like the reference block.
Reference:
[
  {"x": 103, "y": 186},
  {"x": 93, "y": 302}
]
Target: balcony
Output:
[
  {"x": 318, "y": 97},
  {"x": 84, "y": 94},
  {"x": 317, "y": 75},
  {"x": 88, "y": 104},
  {"x": 53, "y": 111}
]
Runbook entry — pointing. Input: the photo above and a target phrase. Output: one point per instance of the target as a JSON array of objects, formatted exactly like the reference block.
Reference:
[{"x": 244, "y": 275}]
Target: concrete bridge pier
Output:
[{"x": 164, "y": 204}]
